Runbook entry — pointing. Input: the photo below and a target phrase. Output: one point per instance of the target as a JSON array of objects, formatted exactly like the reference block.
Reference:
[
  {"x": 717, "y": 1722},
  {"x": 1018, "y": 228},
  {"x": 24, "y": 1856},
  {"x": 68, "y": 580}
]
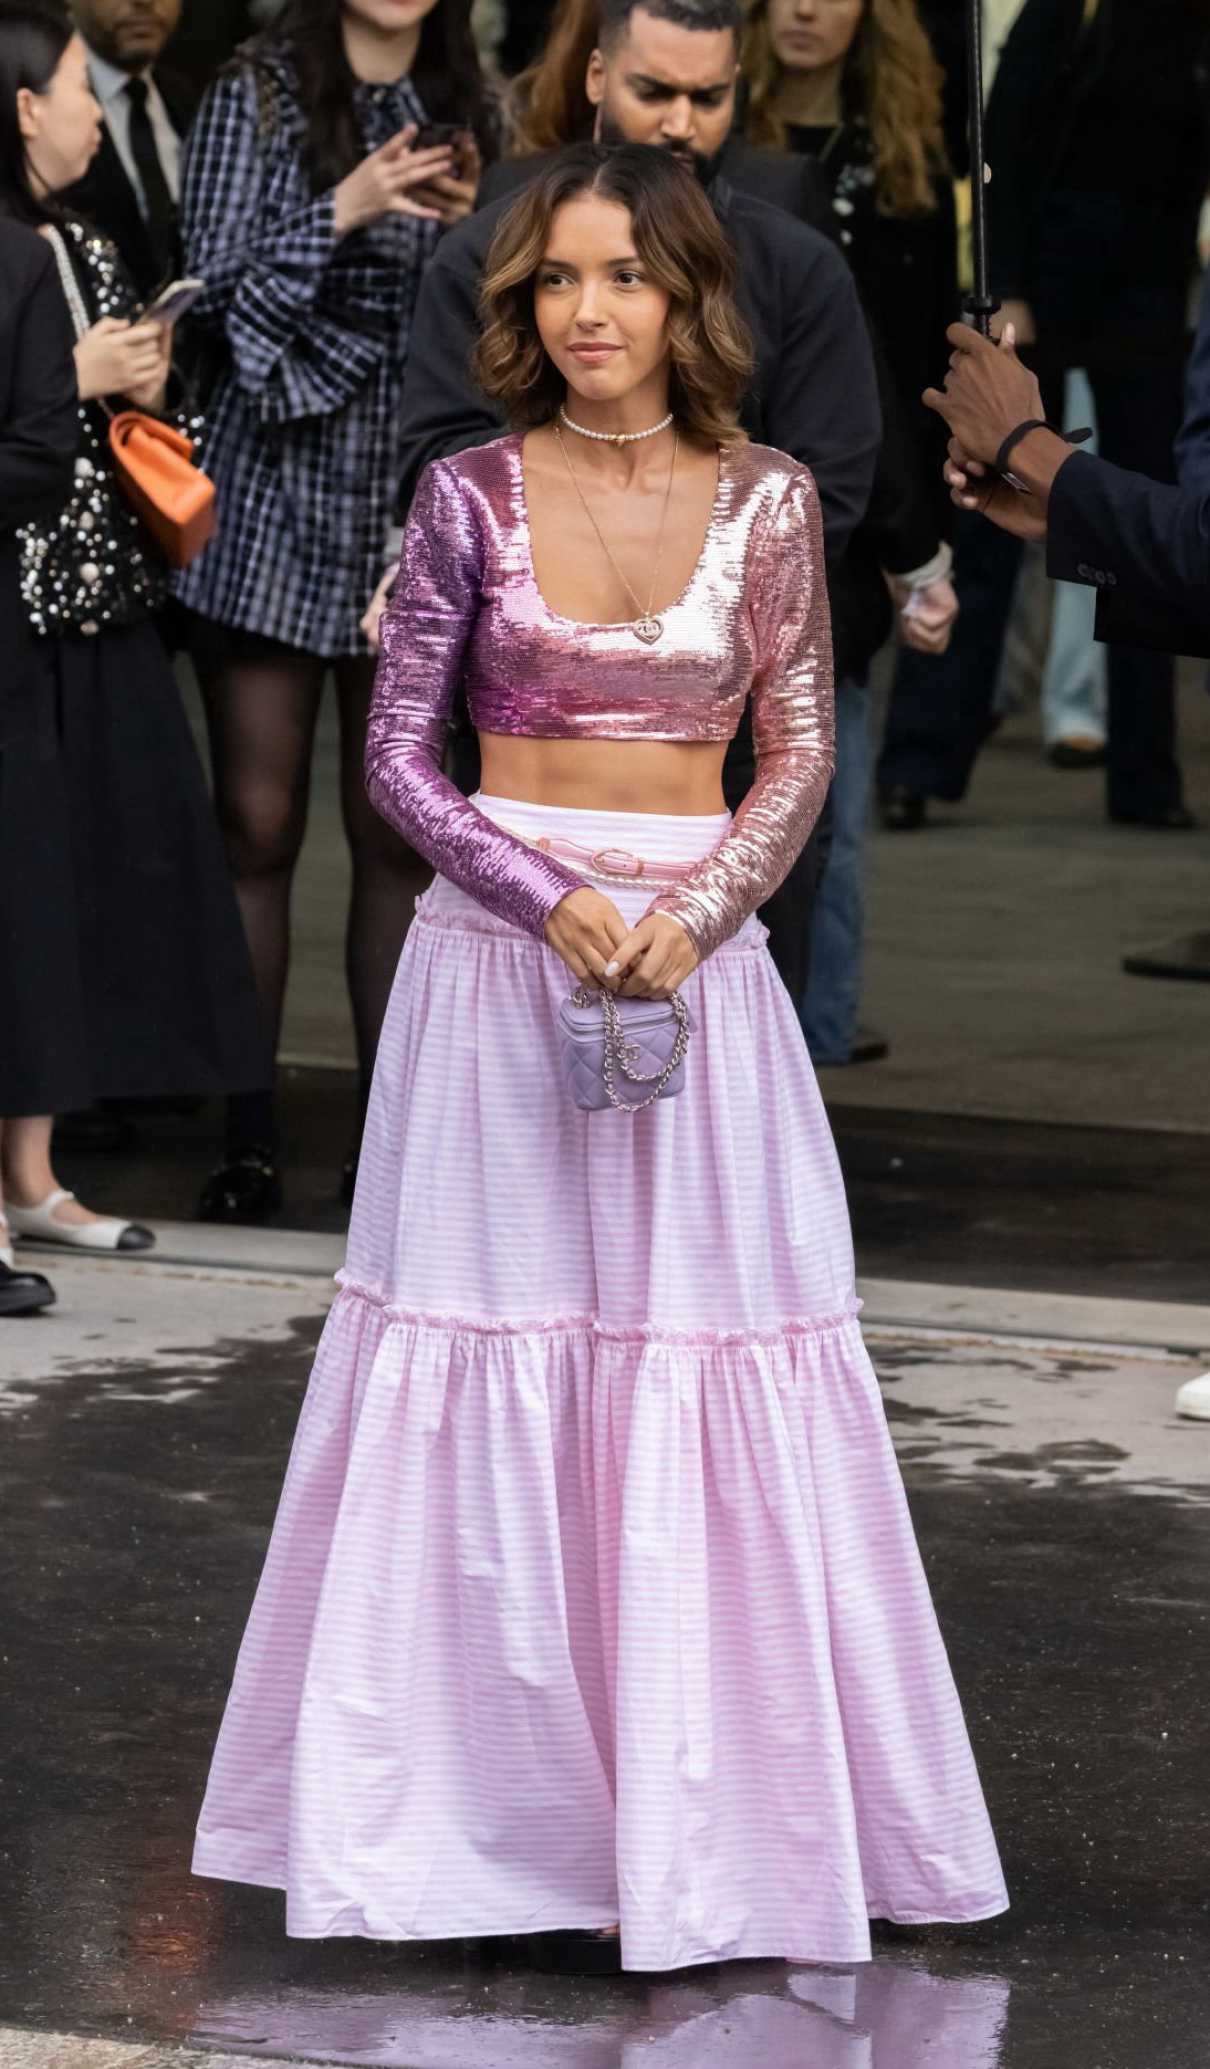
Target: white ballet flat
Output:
[
  {"x": 38, "y": 1225},
  {"x": 6, "y": 1244},
  {"x": 1193, "y": 1399}
]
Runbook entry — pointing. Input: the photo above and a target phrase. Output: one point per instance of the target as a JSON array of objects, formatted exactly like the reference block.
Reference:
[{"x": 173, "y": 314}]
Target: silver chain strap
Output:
[{"x": 615, "y": 1050}]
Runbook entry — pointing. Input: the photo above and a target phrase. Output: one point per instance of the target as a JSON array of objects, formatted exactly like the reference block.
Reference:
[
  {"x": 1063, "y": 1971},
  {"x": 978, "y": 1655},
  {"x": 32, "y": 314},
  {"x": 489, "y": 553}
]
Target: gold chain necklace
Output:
[{"x": 646, "y": 626}]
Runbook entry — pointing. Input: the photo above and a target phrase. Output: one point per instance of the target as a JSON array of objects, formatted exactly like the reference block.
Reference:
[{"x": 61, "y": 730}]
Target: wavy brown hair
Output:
[
  {"x": 684, "y": 248},
  {"x": 891, "y": 81}
]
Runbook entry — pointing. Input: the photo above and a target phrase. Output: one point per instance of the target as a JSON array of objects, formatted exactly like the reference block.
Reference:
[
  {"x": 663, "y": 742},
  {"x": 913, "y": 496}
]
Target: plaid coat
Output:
[{"x": 303, "y": 432}]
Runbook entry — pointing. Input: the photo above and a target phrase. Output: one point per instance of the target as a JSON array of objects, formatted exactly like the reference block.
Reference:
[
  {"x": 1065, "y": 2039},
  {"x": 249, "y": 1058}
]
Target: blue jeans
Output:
[{"x": 832, "y": 994}]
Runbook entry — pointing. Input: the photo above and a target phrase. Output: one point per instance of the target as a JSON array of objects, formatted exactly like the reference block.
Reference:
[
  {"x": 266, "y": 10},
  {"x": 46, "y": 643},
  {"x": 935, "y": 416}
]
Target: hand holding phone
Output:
[{"x": 174, "y": 302}]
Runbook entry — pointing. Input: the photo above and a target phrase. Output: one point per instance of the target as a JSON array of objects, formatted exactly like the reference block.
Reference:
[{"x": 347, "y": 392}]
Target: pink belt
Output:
[{"x": 609, "y": 865}]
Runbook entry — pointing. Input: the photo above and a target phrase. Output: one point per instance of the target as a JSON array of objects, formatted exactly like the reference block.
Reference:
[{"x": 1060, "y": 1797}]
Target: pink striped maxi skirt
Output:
[{"x": 592, "y": 1594}]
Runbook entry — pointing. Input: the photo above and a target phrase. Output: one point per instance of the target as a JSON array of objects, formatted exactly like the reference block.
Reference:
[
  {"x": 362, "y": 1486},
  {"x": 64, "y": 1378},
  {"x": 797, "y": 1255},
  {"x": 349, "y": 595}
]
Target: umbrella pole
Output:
[{"x": 981, "y": 303}]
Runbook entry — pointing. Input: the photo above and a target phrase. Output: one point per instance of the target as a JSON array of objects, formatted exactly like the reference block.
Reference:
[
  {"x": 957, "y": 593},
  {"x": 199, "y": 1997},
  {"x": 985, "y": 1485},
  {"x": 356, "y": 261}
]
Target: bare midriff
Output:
[{"x": 679, "y": 778}]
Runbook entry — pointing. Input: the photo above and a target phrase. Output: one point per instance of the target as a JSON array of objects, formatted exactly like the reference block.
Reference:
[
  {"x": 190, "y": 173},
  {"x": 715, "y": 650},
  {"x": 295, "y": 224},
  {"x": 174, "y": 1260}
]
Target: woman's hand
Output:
[
  {"x": 119, "y": 358},
  {"x": 375, "y": 608},
  {"x": 454, "y": 199},
  {"x": 387, "y": 183},
  {"x": 655, "y": 958},
  {"x": 152, "y": 392},
  {"x": 586, "y": 930}
]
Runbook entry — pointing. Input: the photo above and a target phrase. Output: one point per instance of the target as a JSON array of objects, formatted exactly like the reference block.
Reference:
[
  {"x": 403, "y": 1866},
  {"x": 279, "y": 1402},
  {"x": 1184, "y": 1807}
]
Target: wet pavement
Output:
[{"x": 1064, "y": 1514}]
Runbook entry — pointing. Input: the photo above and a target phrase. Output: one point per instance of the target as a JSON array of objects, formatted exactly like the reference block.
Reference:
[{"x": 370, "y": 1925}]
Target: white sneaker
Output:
[{"x": 1193, "y": 1399}]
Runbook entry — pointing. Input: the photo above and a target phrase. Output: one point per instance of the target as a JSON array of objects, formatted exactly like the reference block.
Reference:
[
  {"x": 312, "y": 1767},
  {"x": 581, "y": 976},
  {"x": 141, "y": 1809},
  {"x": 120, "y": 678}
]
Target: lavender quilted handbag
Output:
[{"x": 608, "y": 1043}]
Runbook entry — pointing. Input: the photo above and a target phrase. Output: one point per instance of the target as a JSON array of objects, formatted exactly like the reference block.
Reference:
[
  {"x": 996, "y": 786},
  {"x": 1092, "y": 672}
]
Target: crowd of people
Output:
[{"x": 593, "y": 427}]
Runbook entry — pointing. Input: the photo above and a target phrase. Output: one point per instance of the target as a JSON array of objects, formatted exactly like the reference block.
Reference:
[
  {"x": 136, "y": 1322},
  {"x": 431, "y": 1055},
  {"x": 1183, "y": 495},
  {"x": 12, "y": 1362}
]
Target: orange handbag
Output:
[{"x": 154, "y": 465}]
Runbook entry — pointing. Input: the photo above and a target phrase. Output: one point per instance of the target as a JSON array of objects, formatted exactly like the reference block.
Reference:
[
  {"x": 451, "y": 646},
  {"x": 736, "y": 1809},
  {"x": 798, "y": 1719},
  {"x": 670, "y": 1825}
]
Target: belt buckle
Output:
[{"x": 607, "y": 859}]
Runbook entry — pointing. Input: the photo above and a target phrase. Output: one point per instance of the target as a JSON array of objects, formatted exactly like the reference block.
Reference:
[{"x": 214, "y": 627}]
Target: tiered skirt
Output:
[{"x": 593, "y": 1594}]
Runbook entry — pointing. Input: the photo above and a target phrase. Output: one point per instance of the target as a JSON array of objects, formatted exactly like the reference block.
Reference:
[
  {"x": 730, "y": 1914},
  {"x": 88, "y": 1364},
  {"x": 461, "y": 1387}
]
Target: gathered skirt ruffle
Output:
[{"x": 593, "y": 1594}]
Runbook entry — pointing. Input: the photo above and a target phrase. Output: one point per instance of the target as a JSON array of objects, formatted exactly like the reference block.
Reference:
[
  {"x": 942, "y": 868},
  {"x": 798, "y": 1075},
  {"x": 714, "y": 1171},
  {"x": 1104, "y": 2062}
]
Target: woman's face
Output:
[
  {"x": 387, "y": 17},
  {"x": 808, "y": 34},
  {"x": 601, "y": 317},
  {"x": 62, "y": 126}
]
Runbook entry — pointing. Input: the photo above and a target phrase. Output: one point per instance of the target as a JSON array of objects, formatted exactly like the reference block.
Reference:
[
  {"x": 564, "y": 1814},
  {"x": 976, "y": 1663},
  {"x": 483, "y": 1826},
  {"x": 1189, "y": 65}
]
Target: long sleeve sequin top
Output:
[{"x": 751, "y": 622}]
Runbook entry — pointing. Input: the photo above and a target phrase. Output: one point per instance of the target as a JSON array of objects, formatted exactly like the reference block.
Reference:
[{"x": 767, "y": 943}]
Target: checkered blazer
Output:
[{"x": 303, "y": 439}]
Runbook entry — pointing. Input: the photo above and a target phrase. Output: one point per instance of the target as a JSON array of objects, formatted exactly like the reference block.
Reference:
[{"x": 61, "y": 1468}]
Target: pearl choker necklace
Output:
[{"x": 616, "y": 437}]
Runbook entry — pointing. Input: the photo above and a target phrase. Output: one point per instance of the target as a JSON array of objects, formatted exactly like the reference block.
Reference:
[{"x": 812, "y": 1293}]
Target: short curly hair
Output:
[{"x": 684, "y": 248}]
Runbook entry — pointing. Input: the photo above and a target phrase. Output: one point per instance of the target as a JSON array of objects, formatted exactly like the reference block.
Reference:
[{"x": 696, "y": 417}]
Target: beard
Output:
[{"x": 702, "y": 164}]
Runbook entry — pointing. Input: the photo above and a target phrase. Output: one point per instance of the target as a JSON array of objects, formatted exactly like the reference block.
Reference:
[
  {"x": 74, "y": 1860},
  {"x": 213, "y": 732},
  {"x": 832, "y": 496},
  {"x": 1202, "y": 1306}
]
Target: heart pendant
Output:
[{"x": 648, "y": 630}]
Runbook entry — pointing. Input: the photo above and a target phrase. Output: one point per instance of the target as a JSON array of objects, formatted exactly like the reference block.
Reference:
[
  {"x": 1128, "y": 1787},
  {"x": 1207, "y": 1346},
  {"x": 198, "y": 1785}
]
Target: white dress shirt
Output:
[{"x": 109, "y": 85}]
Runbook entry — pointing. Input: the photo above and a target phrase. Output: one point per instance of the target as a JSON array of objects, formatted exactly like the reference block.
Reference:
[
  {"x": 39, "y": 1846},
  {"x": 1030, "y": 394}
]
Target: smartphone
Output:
[
  {"x": 431, "y": 136},
  {"x": 174, "y": 302}
]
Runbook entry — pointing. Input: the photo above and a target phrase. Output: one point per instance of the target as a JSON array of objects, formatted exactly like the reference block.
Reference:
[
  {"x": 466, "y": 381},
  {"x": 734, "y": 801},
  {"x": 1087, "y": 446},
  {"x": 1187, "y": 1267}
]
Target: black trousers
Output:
[
  {"x": 941, "y": 707},
  {"x": 787, "y": 914}
]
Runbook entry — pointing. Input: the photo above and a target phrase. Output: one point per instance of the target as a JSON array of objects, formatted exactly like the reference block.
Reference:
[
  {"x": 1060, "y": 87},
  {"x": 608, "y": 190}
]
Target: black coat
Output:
[
  {"x": 39, "y": 431},
  {"x": 105, "y": 196},
  {"x": 1096, "y": 139},
  {"x": 814, "y": 395}
]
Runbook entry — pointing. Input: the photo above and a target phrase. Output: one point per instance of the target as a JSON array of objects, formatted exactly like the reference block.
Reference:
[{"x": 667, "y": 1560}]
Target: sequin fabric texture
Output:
[
  {"x": 93, "y": 566},
  {"x": 751, "y": 621}
]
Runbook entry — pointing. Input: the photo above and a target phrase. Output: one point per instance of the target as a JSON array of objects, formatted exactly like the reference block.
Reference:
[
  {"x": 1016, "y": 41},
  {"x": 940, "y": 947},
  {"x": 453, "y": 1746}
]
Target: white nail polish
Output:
[{"x": 611, "y": 969}]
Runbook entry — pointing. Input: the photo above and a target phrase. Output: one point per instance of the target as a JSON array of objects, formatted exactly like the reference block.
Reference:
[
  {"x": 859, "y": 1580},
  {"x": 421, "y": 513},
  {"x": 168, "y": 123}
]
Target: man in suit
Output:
[
  {"x": 665, "y": 73},
  {"x": 132, "y": 187},
  {"x": 1096, "y": 138}
]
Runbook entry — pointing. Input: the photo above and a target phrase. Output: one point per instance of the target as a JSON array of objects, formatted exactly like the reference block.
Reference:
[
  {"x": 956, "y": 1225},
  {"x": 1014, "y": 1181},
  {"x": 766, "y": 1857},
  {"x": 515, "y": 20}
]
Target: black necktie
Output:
[{"x": 158, "y": 206}]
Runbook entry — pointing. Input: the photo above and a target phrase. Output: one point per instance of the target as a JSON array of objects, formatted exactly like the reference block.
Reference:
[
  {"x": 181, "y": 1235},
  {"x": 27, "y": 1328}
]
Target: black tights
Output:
[{"x": 261, "y": 715}]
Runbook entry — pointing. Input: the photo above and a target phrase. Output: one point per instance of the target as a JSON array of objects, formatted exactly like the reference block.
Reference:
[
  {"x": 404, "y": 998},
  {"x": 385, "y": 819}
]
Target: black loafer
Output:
[
  {"x": 24, "y": 1293},
  {"x": 902, "y": 810},
  {"x": 246, "y": 1189}
]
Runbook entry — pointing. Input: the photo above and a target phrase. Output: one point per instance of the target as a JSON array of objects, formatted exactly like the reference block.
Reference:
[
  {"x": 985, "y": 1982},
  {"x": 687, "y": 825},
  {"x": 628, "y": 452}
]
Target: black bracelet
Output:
[{"x": 1000, "y": 463}]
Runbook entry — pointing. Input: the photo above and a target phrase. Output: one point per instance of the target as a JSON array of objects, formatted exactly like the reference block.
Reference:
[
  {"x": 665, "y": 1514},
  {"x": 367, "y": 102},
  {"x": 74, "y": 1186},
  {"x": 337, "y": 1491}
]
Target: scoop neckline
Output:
[{"x": 610, "y": 624}]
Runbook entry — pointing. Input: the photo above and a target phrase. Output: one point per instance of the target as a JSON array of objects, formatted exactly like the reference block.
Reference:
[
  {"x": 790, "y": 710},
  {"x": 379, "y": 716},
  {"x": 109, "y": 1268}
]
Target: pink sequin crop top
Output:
[{"x": 751, "y": 621}]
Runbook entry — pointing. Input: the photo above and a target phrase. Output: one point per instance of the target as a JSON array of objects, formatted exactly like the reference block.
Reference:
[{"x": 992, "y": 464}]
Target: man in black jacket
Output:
[
  {"x": 666, "y": 75},
  {"x": 131, "y": 189}
]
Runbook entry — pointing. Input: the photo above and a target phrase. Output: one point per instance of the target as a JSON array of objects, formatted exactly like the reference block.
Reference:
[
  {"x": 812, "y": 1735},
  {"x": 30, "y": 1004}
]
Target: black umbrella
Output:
[{"x": 981, "y": 303}]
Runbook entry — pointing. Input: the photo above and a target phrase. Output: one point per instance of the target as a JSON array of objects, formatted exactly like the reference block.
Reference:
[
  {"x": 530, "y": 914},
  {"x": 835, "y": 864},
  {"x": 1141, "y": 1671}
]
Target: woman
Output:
[
  {"x": 592, "y": 1601},
  {"x": 854, "y": 84},
  {"x": 309, "y": 207},
  {"x": 38, "y": 431},
  {"x": 133, "y": 909}
]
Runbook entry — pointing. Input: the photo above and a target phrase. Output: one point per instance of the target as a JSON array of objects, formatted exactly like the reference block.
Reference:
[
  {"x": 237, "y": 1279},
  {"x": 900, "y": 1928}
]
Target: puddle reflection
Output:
[{"x": 881, "y": 2016}]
